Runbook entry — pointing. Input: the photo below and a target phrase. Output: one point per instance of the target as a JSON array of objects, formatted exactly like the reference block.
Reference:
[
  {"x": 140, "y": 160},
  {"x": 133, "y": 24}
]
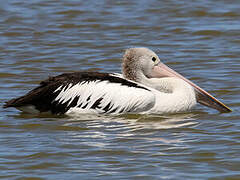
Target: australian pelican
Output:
[{"x": 146, "y": 86}]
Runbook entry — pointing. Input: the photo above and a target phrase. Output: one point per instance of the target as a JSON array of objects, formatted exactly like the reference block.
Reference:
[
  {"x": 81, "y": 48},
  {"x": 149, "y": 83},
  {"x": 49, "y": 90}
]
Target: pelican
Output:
[{"x": 146, "y": 86}]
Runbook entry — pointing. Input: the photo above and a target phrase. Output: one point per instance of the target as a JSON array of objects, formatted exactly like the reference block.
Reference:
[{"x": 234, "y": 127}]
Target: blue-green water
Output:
[{"x": 44, "y": 38}]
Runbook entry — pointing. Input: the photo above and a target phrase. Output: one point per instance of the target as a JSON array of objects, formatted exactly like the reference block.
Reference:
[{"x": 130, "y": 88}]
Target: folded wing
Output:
[{"x": 100, "y": 92}]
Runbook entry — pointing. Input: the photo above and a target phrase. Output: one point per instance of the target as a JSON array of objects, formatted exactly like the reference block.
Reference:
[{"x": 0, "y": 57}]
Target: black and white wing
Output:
[{"x": 84, "y": 91}]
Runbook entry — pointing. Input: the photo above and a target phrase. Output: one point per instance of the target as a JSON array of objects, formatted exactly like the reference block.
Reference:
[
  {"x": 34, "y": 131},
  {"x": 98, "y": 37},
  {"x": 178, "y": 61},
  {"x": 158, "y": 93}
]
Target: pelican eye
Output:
[{"x": 154, "y": 59}]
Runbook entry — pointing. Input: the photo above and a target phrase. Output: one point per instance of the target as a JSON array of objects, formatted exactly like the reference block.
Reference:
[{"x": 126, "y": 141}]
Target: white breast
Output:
[{"x": 173, "y": 95}]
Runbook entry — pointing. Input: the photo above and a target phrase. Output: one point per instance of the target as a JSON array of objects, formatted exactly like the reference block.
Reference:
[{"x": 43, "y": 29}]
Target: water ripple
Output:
[{"x": 45, "y": 38}]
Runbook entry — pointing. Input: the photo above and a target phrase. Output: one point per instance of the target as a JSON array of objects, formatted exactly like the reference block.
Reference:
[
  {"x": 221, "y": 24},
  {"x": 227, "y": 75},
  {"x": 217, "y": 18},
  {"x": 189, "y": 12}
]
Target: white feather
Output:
[
  {"x": 181, "y": 98},
  {"x": 121, "y": 97}
]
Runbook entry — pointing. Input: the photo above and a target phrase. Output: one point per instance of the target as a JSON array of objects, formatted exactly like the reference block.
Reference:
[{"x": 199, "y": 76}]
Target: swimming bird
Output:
[{"x": 146, "y": 85}]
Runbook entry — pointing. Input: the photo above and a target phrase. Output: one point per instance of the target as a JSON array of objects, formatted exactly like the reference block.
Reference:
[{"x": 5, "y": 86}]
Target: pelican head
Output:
[{"x": 140, "y": 64}]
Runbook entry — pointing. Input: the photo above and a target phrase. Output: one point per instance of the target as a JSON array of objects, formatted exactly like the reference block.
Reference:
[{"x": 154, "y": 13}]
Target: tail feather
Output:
[
  {"x": 11, "y": 103},
  {"x": 18, "y": 102}
]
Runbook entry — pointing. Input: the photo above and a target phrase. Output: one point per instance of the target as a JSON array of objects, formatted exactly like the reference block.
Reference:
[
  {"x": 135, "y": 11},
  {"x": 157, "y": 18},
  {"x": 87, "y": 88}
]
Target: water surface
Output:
[{"x": 200, "y": 39}]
